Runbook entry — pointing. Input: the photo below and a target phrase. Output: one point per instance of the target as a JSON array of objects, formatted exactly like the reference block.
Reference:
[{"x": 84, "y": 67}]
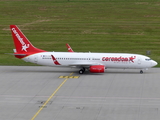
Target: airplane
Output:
[{"x": 93, "y": 62}]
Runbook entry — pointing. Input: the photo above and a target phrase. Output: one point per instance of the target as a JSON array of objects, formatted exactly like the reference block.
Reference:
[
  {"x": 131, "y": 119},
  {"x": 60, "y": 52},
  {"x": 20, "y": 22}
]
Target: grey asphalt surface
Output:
[{"x": 116, "y": 94}]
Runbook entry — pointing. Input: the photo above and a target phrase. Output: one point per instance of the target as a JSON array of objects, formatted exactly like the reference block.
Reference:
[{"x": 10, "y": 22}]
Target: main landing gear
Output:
[
  {"x": 141, "y": 71},
  {"x": 81, "y": 71}
]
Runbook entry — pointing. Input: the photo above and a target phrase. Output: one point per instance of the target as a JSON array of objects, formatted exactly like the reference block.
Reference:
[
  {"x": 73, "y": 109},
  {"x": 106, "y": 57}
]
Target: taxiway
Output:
[{"x": 48, "y": 93}]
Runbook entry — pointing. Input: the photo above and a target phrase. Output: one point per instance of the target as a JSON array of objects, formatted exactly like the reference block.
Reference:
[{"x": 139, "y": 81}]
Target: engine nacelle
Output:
[{"x": 97, "y": 68}]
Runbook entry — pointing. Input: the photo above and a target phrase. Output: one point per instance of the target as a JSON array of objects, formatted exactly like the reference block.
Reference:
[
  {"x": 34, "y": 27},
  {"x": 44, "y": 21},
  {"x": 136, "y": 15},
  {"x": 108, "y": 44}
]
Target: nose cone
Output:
[{"x": 154, "y": 63}]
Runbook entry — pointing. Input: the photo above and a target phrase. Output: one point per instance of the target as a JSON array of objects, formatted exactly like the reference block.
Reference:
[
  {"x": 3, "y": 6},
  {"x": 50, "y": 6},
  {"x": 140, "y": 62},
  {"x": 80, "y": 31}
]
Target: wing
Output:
[{"x": 85, "y": 65}]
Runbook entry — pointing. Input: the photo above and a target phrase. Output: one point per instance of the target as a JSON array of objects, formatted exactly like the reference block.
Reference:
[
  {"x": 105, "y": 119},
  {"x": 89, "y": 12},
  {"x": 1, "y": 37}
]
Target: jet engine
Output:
[{"x": 97, "y": 68}]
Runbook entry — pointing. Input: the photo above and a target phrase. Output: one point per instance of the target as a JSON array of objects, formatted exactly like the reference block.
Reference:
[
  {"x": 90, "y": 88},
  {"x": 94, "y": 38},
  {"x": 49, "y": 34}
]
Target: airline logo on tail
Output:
[{"x": 24, "y": 45}]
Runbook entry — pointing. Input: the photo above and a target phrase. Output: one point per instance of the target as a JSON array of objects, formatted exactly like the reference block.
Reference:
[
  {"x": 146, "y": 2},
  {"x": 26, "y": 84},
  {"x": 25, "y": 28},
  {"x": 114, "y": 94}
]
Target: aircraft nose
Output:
[{"x": 154, "y": 63}]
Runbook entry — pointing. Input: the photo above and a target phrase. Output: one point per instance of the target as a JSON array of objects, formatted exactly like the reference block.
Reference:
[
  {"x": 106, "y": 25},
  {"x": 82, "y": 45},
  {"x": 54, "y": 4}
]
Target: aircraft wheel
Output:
[
  {"x": 141, "y": 71},
  {"x": 81, "y": 71}
]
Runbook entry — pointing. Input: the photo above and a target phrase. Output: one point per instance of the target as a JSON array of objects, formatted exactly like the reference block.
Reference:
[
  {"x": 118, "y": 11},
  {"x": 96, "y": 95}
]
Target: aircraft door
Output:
[
  {"x": 139, "y": 61},
  {"x": 35, "y": 58}
]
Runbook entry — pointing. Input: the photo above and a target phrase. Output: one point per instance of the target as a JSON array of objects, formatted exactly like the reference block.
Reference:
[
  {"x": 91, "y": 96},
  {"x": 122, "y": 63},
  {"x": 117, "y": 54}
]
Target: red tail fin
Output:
[{"x": 22, "y": 44}]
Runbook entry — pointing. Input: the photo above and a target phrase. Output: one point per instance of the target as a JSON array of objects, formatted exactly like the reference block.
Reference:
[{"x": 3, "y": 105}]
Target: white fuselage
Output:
[{"x": 75, "y": 59}]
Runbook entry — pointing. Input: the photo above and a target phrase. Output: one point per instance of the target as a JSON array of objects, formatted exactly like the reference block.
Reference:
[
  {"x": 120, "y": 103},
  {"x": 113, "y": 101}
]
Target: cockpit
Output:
[{"x": 148, "y": 59}]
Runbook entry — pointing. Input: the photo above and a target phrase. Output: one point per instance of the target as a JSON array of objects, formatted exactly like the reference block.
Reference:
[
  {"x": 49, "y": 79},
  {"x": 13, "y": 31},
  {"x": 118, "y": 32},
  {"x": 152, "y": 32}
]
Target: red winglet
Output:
[
  {"x": 69, "y": 48},
  {"x": 55, "y": 61}
]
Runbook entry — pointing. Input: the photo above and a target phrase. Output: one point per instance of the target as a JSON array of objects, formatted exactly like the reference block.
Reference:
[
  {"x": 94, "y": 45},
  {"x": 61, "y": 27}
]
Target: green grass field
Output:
[{"x": 128, "y": 26}]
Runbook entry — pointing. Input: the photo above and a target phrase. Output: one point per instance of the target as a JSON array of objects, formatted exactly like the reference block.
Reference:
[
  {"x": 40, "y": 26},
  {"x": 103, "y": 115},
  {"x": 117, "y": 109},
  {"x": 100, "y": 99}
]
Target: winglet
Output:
[
  {"x": 55, "y": 61},
  {"x": 69, "y": 48}
]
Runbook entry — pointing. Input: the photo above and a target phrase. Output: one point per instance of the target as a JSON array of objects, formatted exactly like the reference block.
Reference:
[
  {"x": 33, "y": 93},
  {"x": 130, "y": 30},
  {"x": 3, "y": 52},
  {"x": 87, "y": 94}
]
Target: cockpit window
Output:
[{"x": 147, "y": 59}]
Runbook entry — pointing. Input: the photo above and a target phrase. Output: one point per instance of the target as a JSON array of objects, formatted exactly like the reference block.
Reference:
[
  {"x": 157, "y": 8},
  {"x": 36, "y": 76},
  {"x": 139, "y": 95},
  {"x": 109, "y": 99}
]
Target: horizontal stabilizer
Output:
[{"x": 16, "y": 54}]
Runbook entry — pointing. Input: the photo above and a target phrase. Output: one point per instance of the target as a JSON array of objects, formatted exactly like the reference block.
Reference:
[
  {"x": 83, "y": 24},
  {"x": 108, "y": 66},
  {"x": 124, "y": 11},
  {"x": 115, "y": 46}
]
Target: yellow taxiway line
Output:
[{"x": 49, "y": 98}]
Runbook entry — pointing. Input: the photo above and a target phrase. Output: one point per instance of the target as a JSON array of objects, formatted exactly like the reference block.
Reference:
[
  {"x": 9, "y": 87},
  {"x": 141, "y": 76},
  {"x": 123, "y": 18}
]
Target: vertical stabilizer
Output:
[{"x": 22, "y": 44}]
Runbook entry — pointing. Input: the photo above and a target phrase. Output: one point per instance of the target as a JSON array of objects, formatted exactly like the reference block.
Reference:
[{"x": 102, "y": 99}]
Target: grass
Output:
[{"x": 128, "y": 26}]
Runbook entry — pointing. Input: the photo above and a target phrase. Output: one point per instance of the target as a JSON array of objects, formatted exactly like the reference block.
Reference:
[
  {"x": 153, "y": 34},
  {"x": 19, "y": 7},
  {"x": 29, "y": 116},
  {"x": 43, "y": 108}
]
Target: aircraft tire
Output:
[
  {"x": 81, "y": 71},
  {"x": 141, "y": 71}
]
